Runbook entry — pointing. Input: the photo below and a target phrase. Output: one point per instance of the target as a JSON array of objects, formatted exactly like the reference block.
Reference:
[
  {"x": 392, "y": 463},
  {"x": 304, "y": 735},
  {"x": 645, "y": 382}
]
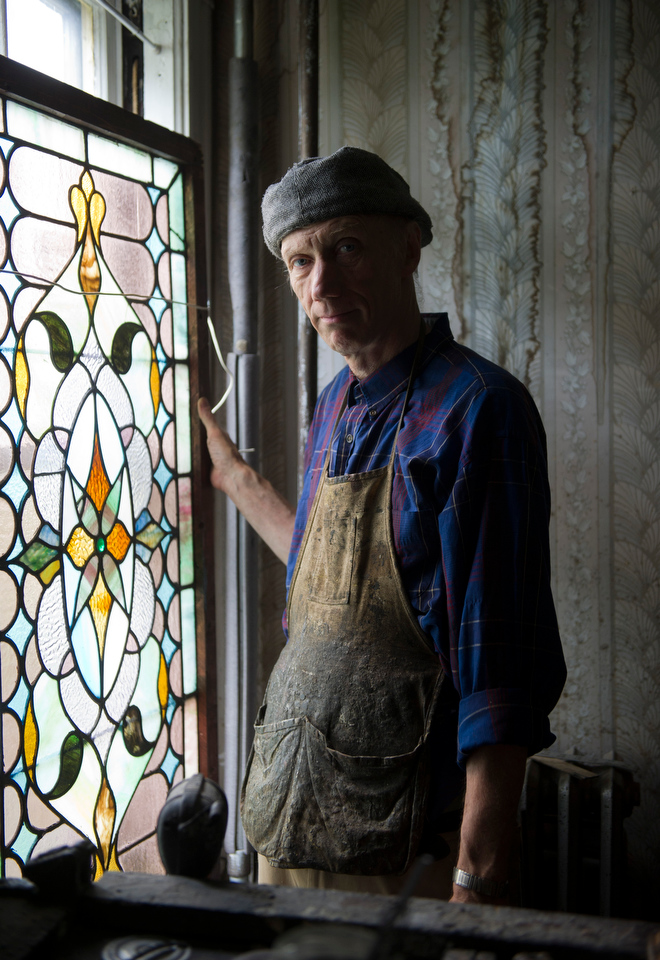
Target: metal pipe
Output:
[
  {"x": 308, "y": 141},
  {"x": 243, "y": 423},
  {"x": 125, "y": 22}
]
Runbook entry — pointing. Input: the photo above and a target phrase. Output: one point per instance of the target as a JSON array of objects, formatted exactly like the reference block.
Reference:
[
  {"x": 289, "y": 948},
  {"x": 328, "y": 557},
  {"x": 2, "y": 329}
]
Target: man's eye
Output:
[
  {"x": 347, "y": 247},
  {"x": 299, "y": 262}
]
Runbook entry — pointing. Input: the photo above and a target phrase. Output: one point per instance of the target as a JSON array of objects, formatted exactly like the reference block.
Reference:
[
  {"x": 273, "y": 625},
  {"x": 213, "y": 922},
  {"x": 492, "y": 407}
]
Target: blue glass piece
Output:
[
  {"x": 157, "y": 304},
  {"x": 16, "y": 487},
  {"x": 23, "y": 844},
  {"x": 18, "y": 572},
  {"x": 17, "y": 551},
  {"x": 9, "y": 347},
  {"x": 13, "y": 420},
  {"x": 165, "y": 542},
  {"x": 48, "y": 535},
  {"x": 19, "y": 701},
  {"x": 20, "y": 631},
  {"x": 168, "y": 646},
  {"x": 19, "y": 777},
  {"x": 144, "y": 553},
  {"x": 6, "y": 145},
  {"x": 162, "y": 475},
  {"x": 141, "y": 522},
  {"x": 162, "y": 419},
  {"x": 164, "y": 525},
  {"x": 160, "y": 355},
  {"x": 155, "y": 245},
  {"x": 169, "y": 764},
  {"x": 154, "y": 193},
  {"x": 8, "y": 209},
  {"x": 165, "y": 592},
  {"x": 171, "y": 707},
  {"x": 9, "y": 281}
]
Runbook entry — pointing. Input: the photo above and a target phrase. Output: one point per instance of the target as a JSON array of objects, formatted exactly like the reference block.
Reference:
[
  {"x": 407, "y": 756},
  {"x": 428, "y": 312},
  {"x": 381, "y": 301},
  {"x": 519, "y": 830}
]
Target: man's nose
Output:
[{"x": 325, "y": 280}]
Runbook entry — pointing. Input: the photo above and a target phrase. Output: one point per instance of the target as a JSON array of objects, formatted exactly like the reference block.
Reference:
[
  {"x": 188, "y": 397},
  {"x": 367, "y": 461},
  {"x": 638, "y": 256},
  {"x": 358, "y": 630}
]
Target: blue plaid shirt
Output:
[{"x": 470, "y": 511}]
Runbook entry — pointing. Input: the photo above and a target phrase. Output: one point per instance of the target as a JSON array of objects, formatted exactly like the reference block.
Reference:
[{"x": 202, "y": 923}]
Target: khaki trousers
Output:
[{"x": 435, "y": 882}]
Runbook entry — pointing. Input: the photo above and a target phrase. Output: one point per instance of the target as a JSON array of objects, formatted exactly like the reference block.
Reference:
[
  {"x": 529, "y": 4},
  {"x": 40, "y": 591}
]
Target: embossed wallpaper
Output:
[{"x": 531, "y": 131}]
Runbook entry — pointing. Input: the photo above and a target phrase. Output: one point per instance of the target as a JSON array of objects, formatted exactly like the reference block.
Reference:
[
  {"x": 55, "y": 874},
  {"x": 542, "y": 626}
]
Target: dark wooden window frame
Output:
[{"x": 21, "y": 83}]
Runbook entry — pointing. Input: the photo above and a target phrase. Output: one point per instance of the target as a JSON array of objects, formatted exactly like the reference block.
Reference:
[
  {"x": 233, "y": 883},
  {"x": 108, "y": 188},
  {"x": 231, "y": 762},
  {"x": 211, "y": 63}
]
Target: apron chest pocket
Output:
[{"x": 333, "y": 548}]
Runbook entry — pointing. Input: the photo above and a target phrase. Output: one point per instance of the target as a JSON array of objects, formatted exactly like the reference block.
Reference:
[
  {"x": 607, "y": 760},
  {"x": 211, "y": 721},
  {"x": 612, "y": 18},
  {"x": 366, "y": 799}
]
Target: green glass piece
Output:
[
  {"x": 26, "y": 124},
  {"x": 188, "y": 641},
  {"x": 134, "y": 738},
  {"x": 121, "y": 346},
  {"x": 111, "y": 506},
  {"x": 100, "y": 545},
  {"x": 177, "y": 220},
  {"x": 186, "y": 561},
  {"x": 151, "y": 535},
  {"x": 119, "y": 158},
  {"x": 37, "y": 557},
  {"x": 61, "y": 347},
  {"x": 90, "y": 518},
  {"x": 182, "y": 394},
  {"x": 179, "y": 308},
  {"x": 164, "y": 172},
  {"x": 70, "y": 762}
]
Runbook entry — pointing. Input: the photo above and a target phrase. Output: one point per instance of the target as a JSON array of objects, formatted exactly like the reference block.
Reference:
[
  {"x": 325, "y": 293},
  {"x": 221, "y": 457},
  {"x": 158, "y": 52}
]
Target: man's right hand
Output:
[
  {"x": 262, "y": 506},
  {"x": 225, "y": 457}
]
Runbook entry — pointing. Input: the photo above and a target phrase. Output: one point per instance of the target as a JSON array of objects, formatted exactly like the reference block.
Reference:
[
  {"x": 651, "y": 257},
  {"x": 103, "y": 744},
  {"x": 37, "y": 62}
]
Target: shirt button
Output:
[
  {"x": 373, "y": 412},
  {"x": 349, "y": 438}
]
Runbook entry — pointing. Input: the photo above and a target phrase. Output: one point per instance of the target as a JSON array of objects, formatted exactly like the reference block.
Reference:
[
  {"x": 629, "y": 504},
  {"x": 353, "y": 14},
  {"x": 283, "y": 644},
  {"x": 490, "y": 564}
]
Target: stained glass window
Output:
[{"x": 98, "y": 603}]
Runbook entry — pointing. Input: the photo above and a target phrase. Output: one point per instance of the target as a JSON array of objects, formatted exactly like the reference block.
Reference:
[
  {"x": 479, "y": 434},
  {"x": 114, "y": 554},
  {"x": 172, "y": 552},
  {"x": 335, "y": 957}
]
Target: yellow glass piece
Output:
[
  {"x": 30, "y": 740},
  {"x": 22, "y": 375},
  {"x": 99, "y": 605},
  {"x": 87, "y": 184},
  {"x": 98, "y": 868},
  {"x": 104, "y": 820},
  {"x": 118, "y": 541},
  {"x": 49, "y": 572},
  {"x": 80, "y": 547},
  {"x": 113, "y": 864},
  {"x": 155, "y": 382},
  {"x": 79, "y": 207},
  {"x": 97, "y": 213},
  {"x": 98, "y": 485},
  {"x": 162, "y": 683}
]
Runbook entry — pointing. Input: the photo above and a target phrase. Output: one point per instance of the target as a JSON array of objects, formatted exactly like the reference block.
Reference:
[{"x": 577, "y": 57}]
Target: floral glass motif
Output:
[{"x": 97, "y": 612}]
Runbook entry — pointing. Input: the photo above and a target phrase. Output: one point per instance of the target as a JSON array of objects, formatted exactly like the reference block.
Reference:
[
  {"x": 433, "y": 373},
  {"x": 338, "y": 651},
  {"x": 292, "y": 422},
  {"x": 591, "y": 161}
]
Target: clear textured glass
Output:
[{"x": 98, "y": 649}]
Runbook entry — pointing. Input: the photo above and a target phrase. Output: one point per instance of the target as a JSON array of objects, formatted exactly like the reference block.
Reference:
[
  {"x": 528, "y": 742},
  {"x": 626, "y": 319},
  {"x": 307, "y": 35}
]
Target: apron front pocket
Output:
[{"x": 372, "y": 806}]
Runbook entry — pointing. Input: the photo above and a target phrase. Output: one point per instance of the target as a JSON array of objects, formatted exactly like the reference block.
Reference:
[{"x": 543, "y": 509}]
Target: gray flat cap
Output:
[{"x": 347, "y": 182}]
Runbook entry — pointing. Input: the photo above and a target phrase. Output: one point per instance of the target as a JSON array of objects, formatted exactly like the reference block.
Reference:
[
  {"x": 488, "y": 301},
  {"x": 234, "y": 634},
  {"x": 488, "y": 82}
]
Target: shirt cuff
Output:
[{"x": 501, "y": 715}]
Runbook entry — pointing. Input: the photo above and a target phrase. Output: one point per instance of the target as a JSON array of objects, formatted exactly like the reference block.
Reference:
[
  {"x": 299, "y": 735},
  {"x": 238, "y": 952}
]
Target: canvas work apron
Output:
[{"x": 337, "y": 779}]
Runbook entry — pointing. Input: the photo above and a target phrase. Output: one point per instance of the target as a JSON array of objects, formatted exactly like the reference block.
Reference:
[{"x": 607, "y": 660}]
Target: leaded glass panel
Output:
[{"x": 97, "y": 576}]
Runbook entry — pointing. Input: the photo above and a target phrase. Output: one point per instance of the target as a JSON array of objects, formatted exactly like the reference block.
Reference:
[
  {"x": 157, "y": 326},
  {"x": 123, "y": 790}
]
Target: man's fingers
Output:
[{"x": 204, "y": 411}]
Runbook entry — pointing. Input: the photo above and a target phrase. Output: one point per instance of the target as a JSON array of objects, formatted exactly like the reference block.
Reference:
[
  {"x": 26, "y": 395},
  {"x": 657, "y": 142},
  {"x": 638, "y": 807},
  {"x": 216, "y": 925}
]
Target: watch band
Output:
[{"x": 490, "y": 888}]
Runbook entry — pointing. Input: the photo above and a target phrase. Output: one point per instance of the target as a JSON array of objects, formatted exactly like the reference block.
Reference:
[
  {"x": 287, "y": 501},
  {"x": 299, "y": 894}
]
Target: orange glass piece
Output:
[
  {"x": 98, "y": 484},
  {"x": 155, "y": 382},
  {"x": 90, "y": 273},
  {"x": 118, "y": 541},
  {"x": 99, "y": 605},
  {"x": 80, "y": 547},
  {"x": 104, "y": 820}
]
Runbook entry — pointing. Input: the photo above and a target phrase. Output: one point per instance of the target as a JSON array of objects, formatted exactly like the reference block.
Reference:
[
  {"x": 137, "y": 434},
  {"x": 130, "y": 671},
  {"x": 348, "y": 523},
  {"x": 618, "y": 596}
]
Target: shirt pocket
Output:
[{"x": 333, "y": 546}]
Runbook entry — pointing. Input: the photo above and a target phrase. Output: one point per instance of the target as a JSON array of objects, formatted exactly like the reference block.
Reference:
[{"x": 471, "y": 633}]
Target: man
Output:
[{"x": 422, "y": 634}]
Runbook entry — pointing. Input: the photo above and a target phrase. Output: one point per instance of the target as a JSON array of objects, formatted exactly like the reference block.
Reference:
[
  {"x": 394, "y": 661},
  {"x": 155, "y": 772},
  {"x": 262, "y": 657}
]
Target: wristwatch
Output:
[{"x": 490, "y": 888}]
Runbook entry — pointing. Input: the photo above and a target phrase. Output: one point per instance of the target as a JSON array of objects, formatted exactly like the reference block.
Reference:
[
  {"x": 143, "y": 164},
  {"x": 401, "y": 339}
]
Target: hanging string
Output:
[{"x": 142, "y": 298}]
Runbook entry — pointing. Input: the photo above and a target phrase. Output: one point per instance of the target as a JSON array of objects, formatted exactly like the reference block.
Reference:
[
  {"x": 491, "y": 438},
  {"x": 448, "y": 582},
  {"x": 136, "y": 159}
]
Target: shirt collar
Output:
[{"x": 391, "y": 379}]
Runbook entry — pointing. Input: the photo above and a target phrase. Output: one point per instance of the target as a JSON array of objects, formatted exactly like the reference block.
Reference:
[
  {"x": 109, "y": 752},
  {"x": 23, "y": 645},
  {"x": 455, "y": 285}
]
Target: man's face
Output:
[{"x": 352, "y": 277}]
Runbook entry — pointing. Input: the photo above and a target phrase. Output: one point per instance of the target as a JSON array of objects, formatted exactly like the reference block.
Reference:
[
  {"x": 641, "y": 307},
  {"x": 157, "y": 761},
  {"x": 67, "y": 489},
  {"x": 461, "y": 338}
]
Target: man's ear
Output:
[{"x": 412, "y": 248}]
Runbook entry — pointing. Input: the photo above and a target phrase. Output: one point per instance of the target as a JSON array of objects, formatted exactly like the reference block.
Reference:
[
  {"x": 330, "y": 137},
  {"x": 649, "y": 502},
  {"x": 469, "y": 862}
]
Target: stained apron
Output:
[{"x": 337, "y": 779}]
